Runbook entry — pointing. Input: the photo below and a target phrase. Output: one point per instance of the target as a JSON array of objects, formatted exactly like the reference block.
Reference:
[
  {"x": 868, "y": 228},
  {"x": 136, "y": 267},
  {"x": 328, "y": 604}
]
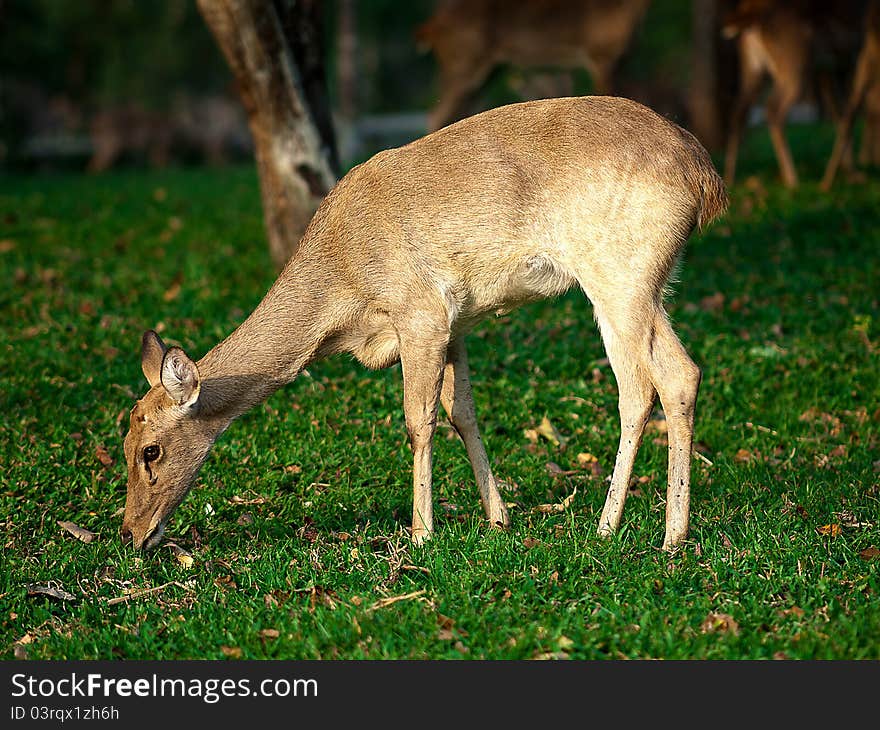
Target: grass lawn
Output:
[{"x": 294, "y": 538}]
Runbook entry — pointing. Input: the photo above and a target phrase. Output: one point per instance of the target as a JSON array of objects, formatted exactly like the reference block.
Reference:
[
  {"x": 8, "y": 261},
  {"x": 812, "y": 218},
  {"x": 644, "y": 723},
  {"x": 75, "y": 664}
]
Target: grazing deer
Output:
[
  {"x": 781, "y": 39},
  {"x": 865, "y": 92},
  {"x": 469, "y": 38},
  {"x": 414, "y": 247}
]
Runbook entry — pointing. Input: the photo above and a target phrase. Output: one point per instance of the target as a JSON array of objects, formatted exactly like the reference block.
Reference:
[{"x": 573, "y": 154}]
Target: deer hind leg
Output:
[
  {"x": 843, "y": 140},
  {"x": 635, "y": 399},
  {"x": 786, "y": 90},
  {"x": 677, "y": 380},
  {"x": 422, "y": 363},
  {"x": 751, "y": 78},
  {"x": 458, "y": 402}
]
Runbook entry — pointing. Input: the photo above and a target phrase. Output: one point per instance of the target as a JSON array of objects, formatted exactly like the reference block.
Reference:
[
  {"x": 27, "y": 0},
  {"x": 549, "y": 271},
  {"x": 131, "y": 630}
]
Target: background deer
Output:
[
  {"x": 414, "y": 247},
  {"x": 469, "y": 38},
  {"x": 782, "y": 40},
  {"x": 865, "y": 92}
]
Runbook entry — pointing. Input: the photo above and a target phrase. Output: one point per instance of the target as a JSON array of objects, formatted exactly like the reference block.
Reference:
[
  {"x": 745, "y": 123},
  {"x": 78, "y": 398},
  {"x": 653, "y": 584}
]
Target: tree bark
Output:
[{"x": 274, "y": 50}]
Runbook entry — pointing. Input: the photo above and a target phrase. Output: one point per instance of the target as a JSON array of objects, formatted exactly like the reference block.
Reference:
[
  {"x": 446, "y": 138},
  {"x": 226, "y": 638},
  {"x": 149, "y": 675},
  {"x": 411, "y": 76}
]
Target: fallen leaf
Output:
[
  {"x": 6, "y": 245},
  {"x": 233, "y": 652},
  {"x": 36, "y": 589},
  {"x": 270, "y": 633},
  {"x": 558, "y": 507},
  {"x": 795, "y": 611},
  {"x": 241, "y": 500},
  {"x": 183, "y": 557},
  {"x": 832, "y": 529},
  {"x": 713, "y": 303},
  {"x": 550, "y": 656},
  {"x": 585, "y": 459},
  {"x": 531, "y": 542},
  {"x": 20, "y": 652},
  {"x": 550, "y": 432},
  {"x": 103, "y": 455},
  {"x": 743, "y": 456},
  {"x": 531, "y": 434},
  {"x": 720, "y": 622},
  {"x": 869, "y": 553},
  {"x": 78, "y": 532}
]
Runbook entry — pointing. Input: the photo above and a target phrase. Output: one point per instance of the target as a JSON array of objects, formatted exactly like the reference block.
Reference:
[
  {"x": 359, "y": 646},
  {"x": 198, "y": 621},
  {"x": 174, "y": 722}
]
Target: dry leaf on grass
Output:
[
  {"x": 719, "y": 622},
  {"x": 232, "y": 652},
  {"x": 550, "y": 432},
  {"x": 80, "y": 533},
  {"x": 236, "y": 499},
  {"x": 183, "y": 557},
  {"x": 869, "y": 553},
  {"x": 37, "y": 589},
  {"x": 832, "y": 529},
  {"x": 795, "y": 611},
  {"x": 531, "y": 542},
  {"x": 270, "y": 633},
  {"x": 102, "y": 455},
  {"x": 558, "y": 507},
  {"x": 383, "y": 602},
  {"x": 551, "y": 656}
]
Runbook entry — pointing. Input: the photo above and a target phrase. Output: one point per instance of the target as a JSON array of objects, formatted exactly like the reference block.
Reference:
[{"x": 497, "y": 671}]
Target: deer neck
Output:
[{"x": 271, "y": 347}]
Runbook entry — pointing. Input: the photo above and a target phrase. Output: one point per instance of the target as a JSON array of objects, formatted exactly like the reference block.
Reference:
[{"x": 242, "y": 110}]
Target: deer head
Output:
[{"x": 166, "y": 443}]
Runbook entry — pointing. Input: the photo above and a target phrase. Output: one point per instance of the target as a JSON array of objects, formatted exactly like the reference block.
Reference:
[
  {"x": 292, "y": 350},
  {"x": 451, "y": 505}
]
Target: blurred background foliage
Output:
[{"x": 64, "y": 62}]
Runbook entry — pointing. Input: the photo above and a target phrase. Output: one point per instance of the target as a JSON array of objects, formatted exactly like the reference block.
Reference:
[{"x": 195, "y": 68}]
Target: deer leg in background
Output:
[
  {"x": 751, "y": 76},
  {"x": 869, "y": 152},
  {"x": 843, "y": 139},
  {"x": 458, "y": 402},
  {"x": 458, "y": 82},
  {"x": 635, "y": 399},
  {"x": 422, "y": 363},
  {"x": 778, "y": 106}
]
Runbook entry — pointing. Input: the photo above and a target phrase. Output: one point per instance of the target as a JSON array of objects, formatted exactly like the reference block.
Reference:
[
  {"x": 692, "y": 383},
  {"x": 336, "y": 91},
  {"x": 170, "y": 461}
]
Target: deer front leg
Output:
[
  {"x": 422, "y": 364},
  {"x": 458, "y": 402}
]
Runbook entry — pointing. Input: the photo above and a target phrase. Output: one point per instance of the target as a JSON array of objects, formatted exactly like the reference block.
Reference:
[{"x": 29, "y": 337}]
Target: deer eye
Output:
[{"x": 151, "y": 453}]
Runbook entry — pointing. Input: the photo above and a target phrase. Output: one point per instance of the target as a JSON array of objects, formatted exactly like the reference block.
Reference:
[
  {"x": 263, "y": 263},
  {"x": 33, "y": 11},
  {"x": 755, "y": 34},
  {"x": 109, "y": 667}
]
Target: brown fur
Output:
[
  {"x": 780, "y": 39},
  {"x": 469, "y": 38},
  {"x": 414, "y": 247}
]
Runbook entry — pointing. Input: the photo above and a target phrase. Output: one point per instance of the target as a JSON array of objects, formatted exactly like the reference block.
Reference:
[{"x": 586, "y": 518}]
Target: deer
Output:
[
  {"x": 781, "y": 39},
  {"x": 865, "y": 93},
  {"x": 469, "y": 38},
  {"x": 413, "y": 248}
]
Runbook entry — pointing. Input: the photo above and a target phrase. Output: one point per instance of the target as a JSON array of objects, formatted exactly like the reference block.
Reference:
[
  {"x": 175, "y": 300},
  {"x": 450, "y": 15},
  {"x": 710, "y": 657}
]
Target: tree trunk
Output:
[{"x": 274, "y": 49}]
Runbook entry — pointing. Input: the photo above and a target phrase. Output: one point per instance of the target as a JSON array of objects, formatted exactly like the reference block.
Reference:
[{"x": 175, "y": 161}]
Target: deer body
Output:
[
  {"x": 414, "y": 247},
  {"x": 469, "y": 38},
  {"x": 780, "y": 39}
]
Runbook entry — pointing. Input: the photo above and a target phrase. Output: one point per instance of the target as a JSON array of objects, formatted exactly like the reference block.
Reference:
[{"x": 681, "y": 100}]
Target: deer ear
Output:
[
  {"x": 180, "y": 377},
  {"x": 152, "y": 352}
]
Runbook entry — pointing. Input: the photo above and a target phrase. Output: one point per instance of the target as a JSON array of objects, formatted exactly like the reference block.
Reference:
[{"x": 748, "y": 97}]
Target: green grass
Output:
[{"x": 778, "y": 303}]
